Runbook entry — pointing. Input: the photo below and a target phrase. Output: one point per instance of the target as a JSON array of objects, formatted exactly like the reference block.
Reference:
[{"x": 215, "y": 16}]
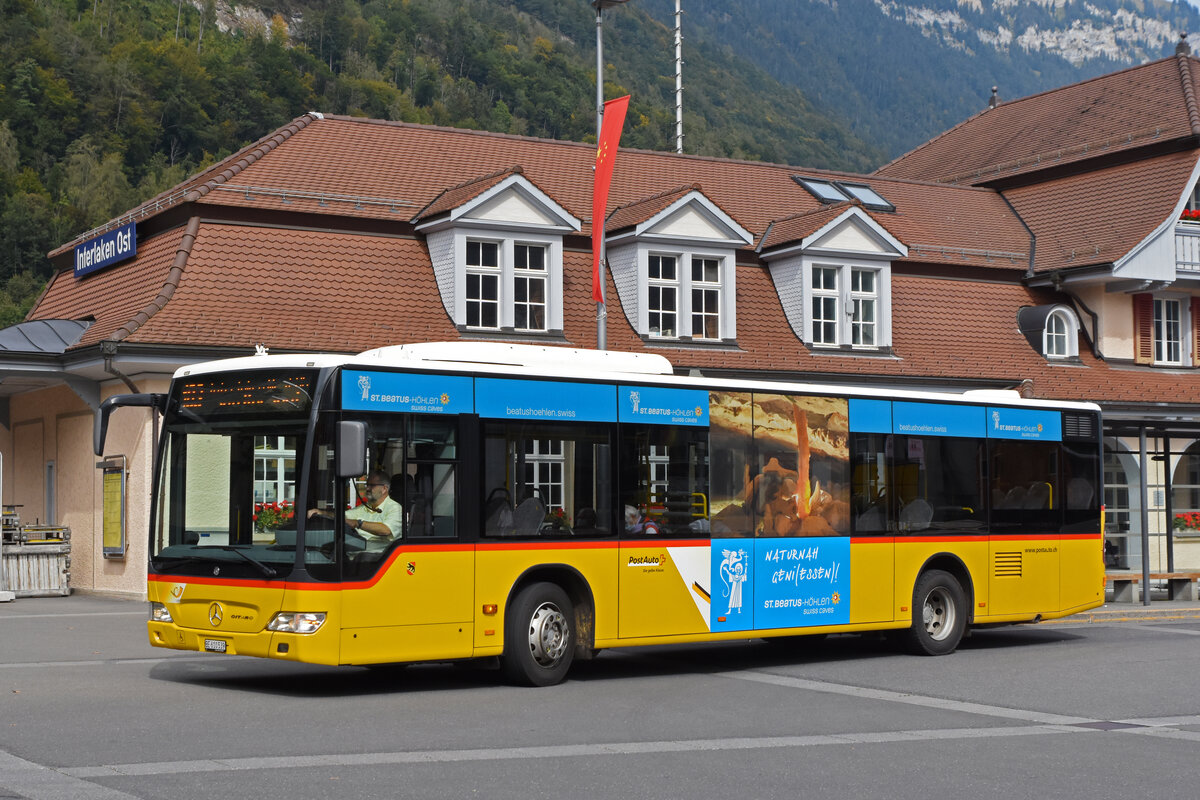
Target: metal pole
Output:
[
  {"x": 678, "y": 76},
  {"x": 1170, "y": 507},
  {"x": 1145, "y": 489},
  {"x": 601, "y": 309}
]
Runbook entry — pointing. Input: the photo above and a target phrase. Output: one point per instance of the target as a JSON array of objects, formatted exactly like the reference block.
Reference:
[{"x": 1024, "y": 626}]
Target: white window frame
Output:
[
  {"x": 529, "y": 277},
  {"x": 683, "y": 285},
  {"x": 1163, "y": 341},
  {"x": 507, "y": 274},
  {"x": 1068, "y": 336},
  {"x": 849, "y": 304},
  {"x": 486, "y": 273},
  {"x": 662, "y": 286},
  {"x": 700, "y": 287}
]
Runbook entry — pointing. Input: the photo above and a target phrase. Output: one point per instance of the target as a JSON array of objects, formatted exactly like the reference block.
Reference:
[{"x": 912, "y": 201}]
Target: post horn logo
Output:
[{"x": 215, "y": 615}]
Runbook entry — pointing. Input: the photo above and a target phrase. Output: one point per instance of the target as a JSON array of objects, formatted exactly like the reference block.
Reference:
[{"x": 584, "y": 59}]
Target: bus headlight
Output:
[
  {"x": 159, "y": 613},
  {"x": 297, "y": 622}
]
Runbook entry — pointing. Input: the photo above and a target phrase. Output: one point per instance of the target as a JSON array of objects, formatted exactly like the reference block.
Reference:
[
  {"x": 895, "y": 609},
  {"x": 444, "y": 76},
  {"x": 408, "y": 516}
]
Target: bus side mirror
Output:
[
  {"x": 351, "y": 449},
  {"x": 100, "y": 428}
]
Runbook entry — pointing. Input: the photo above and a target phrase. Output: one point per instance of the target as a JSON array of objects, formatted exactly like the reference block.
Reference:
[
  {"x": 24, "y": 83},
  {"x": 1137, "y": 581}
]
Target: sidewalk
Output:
[{"x": 1158, "y": 611}]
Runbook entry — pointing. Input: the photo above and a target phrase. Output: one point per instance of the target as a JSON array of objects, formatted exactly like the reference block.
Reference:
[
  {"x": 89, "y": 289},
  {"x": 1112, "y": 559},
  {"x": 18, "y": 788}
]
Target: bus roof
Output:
[{"x": 501, "y": 358}]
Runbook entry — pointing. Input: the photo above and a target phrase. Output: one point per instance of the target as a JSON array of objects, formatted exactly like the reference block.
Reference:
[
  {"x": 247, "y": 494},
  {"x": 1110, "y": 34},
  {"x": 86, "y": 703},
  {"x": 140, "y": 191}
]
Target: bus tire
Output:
[
  {"x": 939, "y": 614},
  {"x": 539, "y": 637}
]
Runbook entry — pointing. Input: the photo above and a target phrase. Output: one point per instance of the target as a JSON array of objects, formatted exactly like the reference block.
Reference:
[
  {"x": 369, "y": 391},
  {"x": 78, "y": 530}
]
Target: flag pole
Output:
[{"x": 601, "y": 307}]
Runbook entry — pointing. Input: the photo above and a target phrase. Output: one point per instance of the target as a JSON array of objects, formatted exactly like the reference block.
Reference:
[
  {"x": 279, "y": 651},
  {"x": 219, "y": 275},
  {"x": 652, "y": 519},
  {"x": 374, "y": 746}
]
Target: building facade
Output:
[{"x": 1041, "y": 246}]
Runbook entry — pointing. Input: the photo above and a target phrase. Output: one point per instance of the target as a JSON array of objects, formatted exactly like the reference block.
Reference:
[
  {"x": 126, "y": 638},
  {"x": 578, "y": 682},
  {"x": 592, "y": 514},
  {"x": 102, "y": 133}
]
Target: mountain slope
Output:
[{"x": 902, "y": 72}]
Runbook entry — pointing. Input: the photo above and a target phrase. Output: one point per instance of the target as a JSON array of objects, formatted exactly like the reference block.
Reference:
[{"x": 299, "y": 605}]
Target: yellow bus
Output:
[{"x": 460, "y": 500}]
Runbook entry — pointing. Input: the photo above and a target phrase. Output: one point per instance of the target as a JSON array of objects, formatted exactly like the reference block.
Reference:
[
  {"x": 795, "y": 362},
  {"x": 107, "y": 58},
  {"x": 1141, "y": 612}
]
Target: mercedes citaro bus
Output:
[{"x": 556, "y": 502}]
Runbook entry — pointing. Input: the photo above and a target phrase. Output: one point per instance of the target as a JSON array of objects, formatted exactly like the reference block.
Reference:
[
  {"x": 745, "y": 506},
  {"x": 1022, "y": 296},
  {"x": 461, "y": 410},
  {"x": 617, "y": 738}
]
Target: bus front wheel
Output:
[
  {"x": 539, "y": 642},
  {"x": 939, "y": 614}
]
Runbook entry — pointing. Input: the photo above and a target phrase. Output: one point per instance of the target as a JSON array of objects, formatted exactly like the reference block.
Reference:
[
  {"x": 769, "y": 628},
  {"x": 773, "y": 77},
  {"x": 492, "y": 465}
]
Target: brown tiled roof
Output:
[
  {"x": 639, "y": 211},
  {"x": 391, "y": 171},
  {"x": 798, "y": 226},
  {"x": 115, "y": 295},
  {"x": 465, "y": 192},
  {"x": 302, "y": 288},
  {"x": 1097, "y": 217},
  {"x": 1144, "y": 105}
]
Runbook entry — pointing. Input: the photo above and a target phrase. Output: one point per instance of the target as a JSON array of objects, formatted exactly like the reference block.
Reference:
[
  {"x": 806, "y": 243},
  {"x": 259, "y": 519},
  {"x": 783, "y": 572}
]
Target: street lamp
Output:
[{"x": 600, "y": 5}]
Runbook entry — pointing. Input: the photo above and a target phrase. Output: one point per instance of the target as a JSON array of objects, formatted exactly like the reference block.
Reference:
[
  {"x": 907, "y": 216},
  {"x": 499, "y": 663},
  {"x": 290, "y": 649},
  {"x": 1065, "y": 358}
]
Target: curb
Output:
[{"x": 1134, "y": 614}]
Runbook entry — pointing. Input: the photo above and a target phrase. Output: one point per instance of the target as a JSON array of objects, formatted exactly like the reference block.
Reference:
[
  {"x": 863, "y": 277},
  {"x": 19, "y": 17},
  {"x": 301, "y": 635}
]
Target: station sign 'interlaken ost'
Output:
[{"x": 106, "y": 249}]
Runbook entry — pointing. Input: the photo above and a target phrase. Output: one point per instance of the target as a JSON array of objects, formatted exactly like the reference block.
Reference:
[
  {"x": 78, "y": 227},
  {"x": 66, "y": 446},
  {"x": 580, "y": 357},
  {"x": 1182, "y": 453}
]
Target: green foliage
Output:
[{"x": 104, "y": 103}]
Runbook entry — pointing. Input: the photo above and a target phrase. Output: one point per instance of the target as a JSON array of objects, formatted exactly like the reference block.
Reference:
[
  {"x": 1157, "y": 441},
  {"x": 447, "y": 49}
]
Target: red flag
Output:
[{"x": 606, "y": 154}]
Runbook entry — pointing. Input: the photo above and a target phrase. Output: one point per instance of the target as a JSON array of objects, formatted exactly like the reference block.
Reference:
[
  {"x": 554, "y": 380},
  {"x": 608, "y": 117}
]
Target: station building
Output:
[{"x": 1044, "y": 245}]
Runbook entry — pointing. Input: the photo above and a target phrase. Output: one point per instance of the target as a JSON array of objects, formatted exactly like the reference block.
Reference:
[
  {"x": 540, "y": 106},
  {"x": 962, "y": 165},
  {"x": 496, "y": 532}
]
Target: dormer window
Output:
[
  {"x": 1052, "y": 330},
  {"x": 832, "y": 269},
  {"x": 497, "y": 250},
  {"x": 1061, "y": 336},
  {"x": 672, "y": 258}
]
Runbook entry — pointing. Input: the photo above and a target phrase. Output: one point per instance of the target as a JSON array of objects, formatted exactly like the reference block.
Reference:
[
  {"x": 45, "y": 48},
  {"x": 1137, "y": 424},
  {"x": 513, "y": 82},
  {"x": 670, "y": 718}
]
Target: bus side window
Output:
[
  {"x": 540, "y": 478},
  {"x": 870, "y": 493},
  {"x": 664, "y": 481}
]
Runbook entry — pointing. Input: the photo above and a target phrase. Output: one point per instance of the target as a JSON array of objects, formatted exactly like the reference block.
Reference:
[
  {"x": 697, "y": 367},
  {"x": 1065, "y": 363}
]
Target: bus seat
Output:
[
  {"x": 916, "y": 516},
  {"x": 529, "y": 516},
  {"x": 1015, "y": 498},
  {"x": 1038, "y": 496},
  {"x": 1079, "y": 494}
]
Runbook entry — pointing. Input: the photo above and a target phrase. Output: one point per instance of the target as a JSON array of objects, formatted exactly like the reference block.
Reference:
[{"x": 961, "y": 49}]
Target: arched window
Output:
[{"x": 1061, "y": 334}]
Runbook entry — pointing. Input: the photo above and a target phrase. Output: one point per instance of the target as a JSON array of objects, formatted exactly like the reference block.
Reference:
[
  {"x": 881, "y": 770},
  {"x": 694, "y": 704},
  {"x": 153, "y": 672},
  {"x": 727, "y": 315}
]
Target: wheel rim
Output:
[
  {"x": 549, "y": 635},
  {"x": 938, "y": 614}
]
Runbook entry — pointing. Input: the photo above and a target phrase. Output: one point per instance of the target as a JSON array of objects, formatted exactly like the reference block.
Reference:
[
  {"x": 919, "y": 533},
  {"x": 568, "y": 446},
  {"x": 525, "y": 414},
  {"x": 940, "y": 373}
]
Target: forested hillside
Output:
[
  {"x": 902, "y": 71},
  {"x": 104, "y": 103}
]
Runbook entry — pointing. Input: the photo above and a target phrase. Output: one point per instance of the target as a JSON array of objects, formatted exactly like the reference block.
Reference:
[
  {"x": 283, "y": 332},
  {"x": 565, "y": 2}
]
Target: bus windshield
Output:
[{"x": 231, "y": 455}]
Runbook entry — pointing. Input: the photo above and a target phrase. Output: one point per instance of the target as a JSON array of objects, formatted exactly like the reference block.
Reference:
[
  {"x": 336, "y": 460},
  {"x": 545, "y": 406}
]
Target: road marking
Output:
[
  {"x": 553, "y": 751},
  {"x": 97, "y": 662},
  {"x": 1164, "y": 629},
  {"x": 33, "y": 781},
  {"x": 941, "y": 703}
]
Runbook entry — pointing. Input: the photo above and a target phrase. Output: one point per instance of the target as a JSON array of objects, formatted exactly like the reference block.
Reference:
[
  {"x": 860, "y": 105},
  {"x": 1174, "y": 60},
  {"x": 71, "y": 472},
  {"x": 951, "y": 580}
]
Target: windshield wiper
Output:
[
  {"x": 260, "y": 566},
  {"x": 169, "y": 562}
]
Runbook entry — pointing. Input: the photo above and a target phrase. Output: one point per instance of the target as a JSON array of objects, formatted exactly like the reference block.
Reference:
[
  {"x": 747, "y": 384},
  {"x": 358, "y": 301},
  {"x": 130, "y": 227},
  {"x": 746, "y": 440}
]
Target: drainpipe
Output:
[{"x": 1093, "y": 340}]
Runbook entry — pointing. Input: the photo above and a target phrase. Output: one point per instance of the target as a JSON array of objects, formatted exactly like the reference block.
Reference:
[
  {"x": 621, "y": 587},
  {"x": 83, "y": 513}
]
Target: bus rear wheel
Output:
[
  {"x": 539, "y": 639},
  {"x": 939, "y": 614}
]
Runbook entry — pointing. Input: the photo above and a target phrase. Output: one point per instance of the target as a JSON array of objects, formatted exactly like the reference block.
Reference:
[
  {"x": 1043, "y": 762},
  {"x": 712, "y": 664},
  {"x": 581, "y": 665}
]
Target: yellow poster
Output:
[{"x": 114, "y": 511}]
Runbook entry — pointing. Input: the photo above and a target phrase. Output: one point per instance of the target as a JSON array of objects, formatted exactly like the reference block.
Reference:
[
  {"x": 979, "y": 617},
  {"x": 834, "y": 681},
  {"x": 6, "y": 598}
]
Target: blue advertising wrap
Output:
[
  {"x": 937, "y": 419},
  {"x": 760, "y": 584},
  {"x": 105, "y": 250},
  {"x": 561, "y": 401},
  {"x": 657, "y": 406},
  {"x": 407, "y": 392},
  {"x": 871, "y": 416},
  {"x": 1024, "y": 423}
]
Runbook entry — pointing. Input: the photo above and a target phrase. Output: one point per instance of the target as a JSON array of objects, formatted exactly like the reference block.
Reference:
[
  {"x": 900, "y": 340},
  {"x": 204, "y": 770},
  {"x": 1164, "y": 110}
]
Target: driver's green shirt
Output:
[{"x": 390, "y": 513}]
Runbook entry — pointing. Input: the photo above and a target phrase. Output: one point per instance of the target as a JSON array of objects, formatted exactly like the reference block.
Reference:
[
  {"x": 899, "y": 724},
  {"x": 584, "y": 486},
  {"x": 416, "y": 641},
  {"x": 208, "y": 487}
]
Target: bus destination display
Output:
[{"x": 252, "y": 393}]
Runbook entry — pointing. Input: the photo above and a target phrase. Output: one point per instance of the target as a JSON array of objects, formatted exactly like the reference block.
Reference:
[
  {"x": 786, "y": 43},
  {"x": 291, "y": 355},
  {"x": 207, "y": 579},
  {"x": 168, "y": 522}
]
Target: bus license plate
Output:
[{"x": 214, "y": 645}]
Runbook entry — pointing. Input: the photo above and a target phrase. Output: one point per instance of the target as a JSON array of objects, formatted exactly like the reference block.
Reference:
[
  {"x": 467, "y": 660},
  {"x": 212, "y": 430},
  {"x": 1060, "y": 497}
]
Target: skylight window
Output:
[{"x": 841, "y": 192}]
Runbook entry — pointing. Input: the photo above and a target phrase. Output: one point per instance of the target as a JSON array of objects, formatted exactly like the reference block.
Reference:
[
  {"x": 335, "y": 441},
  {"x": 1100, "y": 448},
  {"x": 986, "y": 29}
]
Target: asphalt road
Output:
[{"x": 1104, "y": 708}]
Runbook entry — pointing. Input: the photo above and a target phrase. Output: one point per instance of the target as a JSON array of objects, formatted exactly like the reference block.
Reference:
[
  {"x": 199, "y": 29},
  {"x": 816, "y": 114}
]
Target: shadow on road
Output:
[{"x": 303, "y": 680}]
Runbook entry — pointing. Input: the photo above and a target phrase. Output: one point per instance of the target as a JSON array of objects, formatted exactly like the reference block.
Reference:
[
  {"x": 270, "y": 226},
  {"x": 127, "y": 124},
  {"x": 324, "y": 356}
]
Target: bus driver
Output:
[{"x": 378, "y": 519}]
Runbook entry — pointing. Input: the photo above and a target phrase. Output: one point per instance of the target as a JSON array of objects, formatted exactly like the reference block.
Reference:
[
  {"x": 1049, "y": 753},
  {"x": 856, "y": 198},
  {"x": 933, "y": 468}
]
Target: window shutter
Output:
[
  {"x": 1143, "y": 328},
  {"x": 1196, "y": 331}
]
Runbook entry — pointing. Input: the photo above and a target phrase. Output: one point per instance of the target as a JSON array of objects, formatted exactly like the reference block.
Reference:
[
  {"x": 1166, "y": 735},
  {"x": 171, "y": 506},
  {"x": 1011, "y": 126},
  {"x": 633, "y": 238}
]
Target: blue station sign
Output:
[{"x": 105, "y": 250}]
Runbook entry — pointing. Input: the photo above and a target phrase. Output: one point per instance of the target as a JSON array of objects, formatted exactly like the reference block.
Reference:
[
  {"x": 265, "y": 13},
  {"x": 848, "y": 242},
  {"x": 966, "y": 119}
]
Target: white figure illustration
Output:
[
  {"x": 635, "y": 399},
  {"x": 364, "y": 383},
  {"x": 733, "y": 575}
]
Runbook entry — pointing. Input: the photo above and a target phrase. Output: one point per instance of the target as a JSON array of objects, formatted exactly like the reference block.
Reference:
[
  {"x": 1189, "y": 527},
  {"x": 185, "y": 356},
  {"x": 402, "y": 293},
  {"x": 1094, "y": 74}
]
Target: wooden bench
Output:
[{"x": 1180, "y": 585}]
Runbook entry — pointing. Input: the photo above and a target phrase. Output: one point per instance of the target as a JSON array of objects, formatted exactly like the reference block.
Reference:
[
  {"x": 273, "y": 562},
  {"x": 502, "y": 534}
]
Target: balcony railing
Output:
[{"x": 1187, "y": 246}]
